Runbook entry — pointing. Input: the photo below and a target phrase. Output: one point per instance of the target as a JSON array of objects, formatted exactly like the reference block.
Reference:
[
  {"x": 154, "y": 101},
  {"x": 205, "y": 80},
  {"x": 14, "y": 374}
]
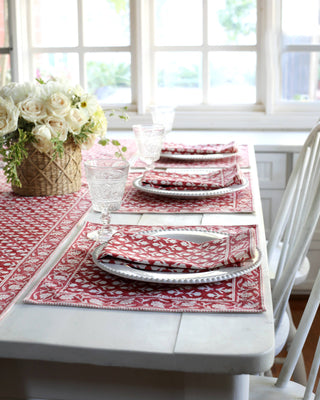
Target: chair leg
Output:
[{"x": 299, "y": 374}]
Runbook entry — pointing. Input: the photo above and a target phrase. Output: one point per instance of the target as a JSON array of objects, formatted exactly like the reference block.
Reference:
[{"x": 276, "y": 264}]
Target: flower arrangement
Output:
[{"x": 48, "y": 114}]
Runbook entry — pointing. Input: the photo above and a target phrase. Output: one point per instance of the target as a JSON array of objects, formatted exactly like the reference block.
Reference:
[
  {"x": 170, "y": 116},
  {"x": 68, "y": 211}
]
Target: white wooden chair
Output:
[
  {"x": 282, "y": 388},
  {"x": 292, "y": 233}
]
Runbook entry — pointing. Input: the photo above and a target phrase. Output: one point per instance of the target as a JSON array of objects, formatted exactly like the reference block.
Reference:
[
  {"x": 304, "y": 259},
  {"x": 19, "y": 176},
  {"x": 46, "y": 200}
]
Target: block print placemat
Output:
[
  {"x": 242, "y": 159},
  {"x": 135, "y": 201},
  {"x": 76, "y": 281},
  {"x": 31, "y": 229}
]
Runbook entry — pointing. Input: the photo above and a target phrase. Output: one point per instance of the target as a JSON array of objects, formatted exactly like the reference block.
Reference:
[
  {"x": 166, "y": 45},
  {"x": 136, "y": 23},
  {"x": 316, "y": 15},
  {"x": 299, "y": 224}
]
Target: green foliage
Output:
[
  {"x": 120, "y": 149},
  {"x": 13, "y": 151},
  {"x": 234, "y": 18},
  {"x": 119, "y": 5},
  {"x": 184, "y": 77},
  {"x": 120, "y": 112},
  {"x": 107, "y": 75}
]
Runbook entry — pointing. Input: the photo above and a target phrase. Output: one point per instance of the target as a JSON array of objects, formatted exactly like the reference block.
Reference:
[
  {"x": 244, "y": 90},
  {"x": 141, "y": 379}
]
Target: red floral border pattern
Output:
[
  {"x": 31, "y": 229},
  {"x": 76, "y": 281}
]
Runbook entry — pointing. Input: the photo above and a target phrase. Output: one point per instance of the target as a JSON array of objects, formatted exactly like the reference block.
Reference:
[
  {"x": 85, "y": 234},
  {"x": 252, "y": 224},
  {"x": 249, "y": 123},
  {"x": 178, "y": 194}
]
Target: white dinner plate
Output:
[
  {"x": 189, "y": 194},
  {"x": 197, "y": 157},
  {"x": 194, "y": 235}
]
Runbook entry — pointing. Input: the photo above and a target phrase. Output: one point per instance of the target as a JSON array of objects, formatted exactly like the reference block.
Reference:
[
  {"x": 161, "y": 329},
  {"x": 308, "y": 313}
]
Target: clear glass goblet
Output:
[
  {"x": 107, "y": 179},
  {"x": 149, "y": 140},
  {"x": 163, "y": 115}
]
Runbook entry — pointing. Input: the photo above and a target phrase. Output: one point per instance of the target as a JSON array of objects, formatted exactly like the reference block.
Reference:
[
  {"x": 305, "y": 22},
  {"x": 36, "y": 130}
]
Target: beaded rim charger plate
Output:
[
  {"x": 189, "y": 194},
  {"x": 196, "y": 235},
  {"x": 197, "y": 157}
]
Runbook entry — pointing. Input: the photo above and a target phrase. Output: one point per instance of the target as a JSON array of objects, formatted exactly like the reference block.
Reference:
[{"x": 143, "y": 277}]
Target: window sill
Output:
[
  {"x": 228, "y": 120},
  {"x": 262, "y": 140}
]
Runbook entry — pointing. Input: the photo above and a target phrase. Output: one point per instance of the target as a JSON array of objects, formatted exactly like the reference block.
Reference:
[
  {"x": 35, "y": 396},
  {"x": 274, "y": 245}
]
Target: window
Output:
[
  {"x": 301, "y": 47},
  {"x": 224, "y": 64},
  {"x": 90, "y": 44},
  {"x": 210, "y": 58},
  {"x": 5, "y": 49}
]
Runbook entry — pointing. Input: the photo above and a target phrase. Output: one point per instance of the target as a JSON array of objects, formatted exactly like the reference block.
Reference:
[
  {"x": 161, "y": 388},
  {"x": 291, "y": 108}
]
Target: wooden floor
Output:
[{"x": 297, "y": 304}]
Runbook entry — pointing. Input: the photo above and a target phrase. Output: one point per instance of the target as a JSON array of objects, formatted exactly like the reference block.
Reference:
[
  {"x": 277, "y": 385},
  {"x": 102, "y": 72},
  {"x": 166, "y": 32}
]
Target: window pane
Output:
[
  {"x": 106, "y": 22},
  {"x": 232, "y": 77},
  {"x": 232, "y": 22},
  {"x": 300, "y": 76},
  {"x": 109, "y": 76},
  {"x": 60, "y": 65},
  {"x": 300, "y": 21},
  {"x": 54, "y": 23},
  {"x": 4, "y": 29},
  {"x": 5, "y": 69},
  {"x": 178, "y": 22},
  {"x": 178, "y": 78}
]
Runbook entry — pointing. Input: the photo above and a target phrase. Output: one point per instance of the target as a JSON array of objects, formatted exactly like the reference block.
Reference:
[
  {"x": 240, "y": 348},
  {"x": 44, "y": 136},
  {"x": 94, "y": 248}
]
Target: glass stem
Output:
[
  {"x": 149, "y": 167},
  {"x": 105, "y": 232},
  {"x": 105, "y": 217}
]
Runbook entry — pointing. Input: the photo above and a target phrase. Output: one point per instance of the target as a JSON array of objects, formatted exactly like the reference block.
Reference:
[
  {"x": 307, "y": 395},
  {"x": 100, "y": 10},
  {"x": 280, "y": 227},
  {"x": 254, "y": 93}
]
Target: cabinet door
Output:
[
  {"x": 270, "y": 200},
  {"x": 272, "y": 170}
]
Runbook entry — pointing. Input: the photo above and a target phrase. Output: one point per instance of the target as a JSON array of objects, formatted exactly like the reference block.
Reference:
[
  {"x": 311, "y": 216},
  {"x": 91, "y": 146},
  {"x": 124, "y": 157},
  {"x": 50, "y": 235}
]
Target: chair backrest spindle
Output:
[
  {"x": 296, "y": 221},
  {"x": 298, "y": 343}
]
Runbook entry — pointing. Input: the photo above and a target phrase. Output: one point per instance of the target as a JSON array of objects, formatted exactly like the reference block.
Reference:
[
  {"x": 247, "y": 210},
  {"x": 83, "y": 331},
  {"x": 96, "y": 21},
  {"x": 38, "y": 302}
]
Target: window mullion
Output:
[
  {"x": 18, "y": 25},
  {"x": 82, "y": 72},
  {"x": 205, "y": 55},
  {"x": 140, "y": 31},
  {"x": 268, "y": 76}
]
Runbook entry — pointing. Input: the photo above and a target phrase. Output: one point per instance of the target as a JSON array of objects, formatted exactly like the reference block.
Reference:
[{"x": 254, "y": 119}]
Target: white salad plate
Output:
[
  {"x": 188, "y": 194},
  {"x": 193, "y": 235},
  {"x": 197, "y": 157}
]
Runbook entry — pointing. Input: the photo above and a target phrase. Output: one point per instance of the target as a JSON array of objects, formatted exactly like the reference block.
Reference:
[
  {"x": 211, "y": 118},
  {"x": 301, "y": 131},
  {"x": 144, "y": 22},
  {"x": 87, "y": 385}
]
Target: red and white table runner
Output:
[
  {"x": 76, "y": 281},
  {"x": 136, "y": 201},
  {"x": 31, "y": 230}
]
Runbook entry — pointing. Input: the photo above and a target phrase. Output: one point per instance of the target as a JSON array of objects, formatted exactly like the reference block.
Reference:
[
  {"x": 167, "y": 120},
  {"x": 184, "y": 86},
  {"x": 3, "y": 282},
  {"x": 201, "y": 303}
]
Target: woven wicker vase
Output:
[{"x": 41, "y": 175}]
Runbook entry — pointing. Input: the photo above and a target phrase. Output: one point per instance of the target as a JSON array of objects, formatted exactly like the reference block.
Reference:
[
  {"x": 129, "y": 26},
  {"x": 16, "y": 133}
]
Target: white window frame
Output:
[{"x": 268, "y": 113}]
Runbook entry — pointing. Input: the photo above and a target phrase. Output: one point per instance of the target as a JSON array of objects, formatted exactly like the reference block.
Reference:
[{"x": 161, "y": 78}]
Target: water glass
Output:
[
  {"x": 149, "y": 140},
  {"x": 163, "y": 115},
  {"x": 107, "y": 179}
]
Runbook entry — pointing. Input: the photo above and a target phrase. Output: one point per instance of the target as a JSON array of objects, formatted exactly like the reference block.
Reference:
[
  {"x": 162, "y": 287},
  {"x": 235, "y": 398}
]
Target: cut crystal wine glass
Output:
[{"x": 107, "y": 179}]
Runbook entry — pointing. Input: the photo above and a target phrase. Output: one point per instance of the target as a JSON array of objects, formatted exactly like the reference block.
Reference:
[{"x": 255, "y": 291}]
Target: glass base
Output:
[{"x": 101, "y": 235}]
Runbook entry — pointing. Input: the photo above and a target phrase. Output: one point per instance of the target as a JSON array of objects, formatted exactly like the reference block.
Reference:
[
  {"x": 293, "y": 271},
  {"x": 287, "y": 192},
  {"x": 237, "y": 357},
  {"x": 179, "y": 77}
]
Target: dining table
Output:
[{"x": 70, "y": 330}]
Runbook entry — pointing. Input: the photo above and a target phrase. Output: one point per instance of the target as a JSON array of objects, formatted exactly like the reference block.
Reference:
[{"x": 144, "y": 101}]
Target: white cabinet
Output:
[
  {"x": 272, "y": 173},
  {"x": 270, "y": 200},
  {"x": 272, "y": 170}
]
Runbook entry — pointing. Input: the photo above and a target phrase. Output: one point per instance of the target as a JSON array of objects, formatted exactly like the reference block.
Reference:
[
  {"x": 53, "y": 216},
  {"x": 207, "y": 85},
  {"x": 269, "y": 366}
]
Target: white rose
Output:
[
  {"x": 58, "y": 104},
  {"x": 76, "y": 119},
  {"x": 19, "y": 91},
  {"x": 58, "y": 127},
  {"x": 78, "y": 90},
  {"x": 89, "y": 142},
  {"x": 9, "y": 115},
  {"x": 43, "y": 136},
  {"x": 32, "y": 109},
  {"x": 57, "y": 86}
]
